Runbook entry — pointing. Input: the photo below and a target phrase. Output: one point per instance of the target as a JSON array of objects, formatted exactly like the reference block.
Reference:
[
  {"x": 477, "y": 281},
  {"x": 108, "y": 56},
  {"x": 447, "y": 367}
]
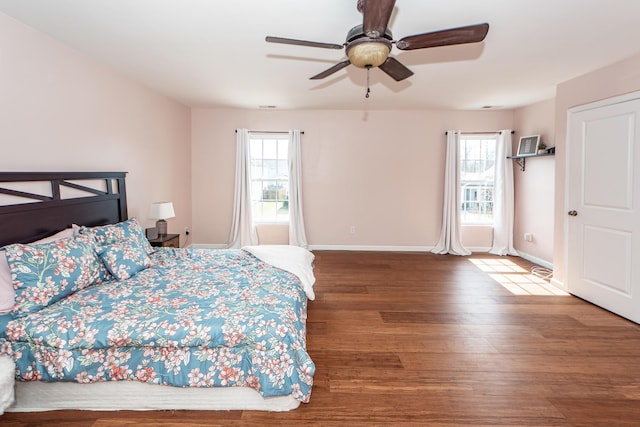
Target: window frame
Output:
[
  {"x": 278, "y": 138},
  {"x": 481, "y": 185}
]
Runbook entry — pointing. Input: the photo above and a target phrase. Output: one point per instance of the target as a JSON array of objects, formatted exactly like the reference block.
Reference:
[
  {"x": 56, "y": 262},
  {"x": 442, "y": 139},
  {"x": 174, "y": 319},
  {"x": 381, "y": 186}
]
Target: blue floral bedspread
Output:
[{"x": 196, "y": 318}]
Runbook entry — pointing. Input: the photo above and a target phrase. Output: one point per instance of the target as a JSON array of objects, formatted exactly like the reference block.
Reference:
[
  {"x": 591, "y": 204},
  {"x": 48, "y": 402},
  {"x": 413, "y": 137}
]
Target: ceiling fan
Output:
[{"x": 368, "y": 45}]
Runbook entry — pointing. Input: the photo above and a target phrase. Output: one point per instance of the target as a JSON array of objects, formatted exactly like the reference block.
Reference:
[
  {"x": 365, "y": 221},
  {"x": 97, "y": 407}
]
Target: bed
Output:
[{"x": 110, "y": 323}]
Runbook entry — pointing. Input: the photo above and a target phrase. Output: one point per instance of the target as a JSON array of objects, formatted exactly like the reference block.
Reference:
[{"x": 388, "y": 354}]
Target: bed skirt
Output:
[
  {"x": 36, "y": 396},
  {"x": 7, "y": 374}
]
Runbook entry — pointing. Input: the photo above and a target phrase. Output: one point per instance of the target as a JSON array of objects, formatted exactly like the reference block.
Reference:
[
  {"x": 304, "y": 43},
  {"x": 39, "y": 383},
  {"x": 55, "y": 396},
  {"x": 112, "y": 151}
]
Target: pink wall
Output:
[
  {"x": 380, "y": 171},
  {"x": 534, "y": 188},
  {"x": 616, "y": 79},
  {"x": 60, "y": 111}
]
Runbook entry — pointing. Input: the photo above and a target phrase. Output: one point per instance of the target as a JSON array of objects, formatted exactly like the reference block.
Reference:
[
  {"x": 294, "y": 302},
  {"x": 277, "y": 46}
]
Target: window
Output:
[
  {"x": 269, "y": 178},
  {"x": 477, "y": 171}
]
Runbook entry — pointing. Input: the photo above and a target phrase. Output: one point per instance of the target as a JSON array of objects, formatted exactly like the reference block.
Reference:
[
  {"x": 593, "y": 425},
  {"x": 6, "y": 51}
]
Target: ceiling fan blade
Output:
[
  {"x": 376, "y": 15},
  {"x": 283, "y": 40},
  {"x": 395, "y": 69},
  {"x": 326, "y": 73},
  {"x": 460, "y": 35}
]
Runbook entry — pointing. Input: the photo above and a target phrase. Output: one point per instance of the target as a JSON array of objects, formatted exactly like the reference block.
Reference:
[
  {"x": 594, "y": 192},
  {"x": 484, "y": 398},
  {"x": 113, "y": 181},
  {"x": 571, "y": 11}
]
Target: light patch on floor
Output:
[{"x": 516, "y": 279}]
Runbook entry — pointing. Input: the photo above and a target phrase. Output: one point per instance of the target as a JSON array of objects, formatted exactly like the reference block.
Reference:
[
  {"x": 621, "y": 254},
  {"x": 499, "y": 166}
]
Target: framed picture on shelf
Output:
[{"x": 528, "y": 145}]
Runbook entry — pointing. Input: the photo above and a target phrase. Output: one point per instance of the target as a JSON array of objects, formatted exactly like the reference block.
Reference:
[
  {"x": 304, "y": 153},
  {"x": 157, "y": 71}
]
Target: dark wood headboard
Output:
[{"x": 34, "y": 216}]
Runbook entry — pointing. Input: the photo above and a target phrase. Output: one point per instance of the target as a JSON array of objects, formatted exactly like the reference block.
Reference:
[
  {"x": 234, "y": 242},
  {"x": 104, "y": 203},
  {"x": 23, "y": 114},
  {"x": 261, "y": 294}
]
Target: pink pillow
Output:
[{"x": 7, "y": 293}]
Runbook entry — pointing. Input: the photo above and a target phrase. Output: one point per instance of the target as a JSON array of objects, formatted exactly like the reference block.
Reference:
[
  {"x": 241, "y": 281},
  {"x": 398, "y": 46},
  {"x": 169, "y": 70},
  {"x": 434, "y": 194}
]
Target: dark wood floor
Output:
[{"x": 405, "y": 339}]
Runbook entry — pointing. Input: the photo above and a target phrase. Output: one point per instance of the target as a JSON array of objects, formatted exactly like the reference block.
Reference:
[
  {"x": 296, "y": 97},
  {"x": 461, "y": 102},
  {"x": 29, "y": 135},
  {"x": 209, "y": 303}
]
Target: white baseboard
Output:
[
  {"x": 479, "y": 248},
  {"x": 384, "y": 248},
  {"x": 334, "y": 247},
  {"x": 208, "y": 246},
  {"x": 535, "y": 260},
  {"x": 370, "y": 248}
]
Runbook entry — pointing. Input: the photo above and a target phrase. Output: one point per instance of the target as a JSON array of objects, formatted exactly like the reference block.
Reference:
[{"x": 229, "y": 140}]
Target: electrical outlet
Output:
[
  {"x": 187, "y": 231},
  {"x": 528, "y": 237},
  {"x": 352, "y": 229}
]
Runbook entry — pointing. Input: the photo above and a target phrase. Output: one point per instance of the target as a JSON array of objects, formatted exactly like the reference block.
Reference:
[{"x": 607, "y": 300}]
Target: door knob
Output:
[{"x": 573, "y": 213}]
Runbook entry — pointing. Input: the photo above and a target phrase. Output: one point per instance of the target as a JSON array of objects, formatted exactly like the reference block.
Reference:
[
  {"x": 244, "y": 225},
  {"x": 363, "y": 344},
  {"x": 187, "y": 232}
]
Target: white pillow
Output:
[
  {"x": 64, "y": 234},
  {"x": 7, "y": 293}
]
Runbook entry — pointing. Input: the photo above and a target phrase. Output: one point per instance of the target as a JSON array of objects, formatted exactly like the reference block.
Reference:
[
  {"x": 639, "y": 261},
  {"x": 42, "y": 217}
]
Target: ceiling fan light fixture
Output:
[{"x": 367, "y": 53}]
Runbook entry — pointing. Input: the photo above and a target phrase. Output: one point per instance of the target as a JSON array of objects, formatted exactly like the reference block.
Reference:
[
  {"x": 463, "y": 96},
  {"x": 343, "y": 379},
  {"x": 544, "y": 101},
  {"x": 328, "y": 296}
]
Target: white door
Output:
[{"x": 603, "y": 211}]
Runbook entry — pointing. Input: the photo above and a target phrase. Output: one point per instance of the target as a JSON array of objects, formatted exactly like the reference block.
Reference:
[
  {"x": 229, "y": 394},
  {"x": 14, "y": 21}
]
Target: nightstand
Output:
[{"x": 167, "y": 241}]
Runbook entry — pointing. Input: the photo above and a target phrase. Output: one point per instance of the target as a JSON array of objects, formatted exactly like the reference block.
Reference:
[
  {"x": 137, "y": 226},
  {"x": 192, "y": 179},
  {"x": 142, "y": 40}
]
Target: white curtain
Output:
[
  {"x": 503, "y": 200},
  {"x": 297, "y": 236},
  {"x": 243, "y": 232},
  {"x": 450, "y": 242}
]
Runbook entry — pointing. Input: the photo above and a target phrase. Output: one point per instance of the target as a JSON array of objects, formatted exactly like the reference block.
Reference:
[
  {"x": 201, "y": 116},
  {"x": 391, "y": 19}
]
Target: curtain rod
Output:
[
  {"x": 270, "y": 131},
  {"x": 480, "y": 133}
]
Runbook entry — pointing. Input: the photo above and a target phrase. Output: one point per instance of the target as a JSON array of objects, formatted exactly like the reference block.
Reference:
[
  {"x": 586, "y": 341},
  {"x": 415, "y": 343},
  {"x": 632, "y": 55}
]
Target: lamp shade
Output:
[{"x": 161, "y": 210}]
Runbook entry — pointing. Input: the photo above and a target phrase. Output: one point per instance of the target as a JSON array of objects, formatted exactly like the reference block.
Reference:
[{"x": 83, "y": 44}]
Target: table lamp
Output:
[{"x": 161, "y": 211}]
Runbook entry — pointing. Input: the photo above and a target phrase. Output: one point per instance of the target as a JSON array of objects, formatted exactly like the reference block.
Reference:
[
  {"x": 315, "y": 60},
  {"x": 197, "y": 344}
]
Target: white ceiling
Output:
[{"x": 212, "y": 53}]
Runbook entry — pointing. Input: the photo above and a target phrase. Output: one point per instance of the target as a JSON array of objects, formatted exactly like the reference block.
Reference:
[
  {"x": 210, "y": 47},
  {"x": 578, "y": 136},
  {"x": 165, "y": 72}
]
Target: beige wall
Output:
[
  {"x": 534, "y": 187},
  {"x": 60, "y": 111},
  {"x": 616, "y": 79},
  {"x": 380, "y": 171}
]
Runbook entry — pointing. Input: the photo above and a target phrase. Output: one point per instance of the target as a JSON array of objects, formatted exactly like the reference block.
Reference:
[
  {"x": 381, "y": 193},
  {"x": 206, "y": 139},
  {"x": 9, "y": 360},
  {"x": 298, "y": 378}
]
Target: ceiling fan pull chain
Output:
[{"x": 368, "y": 89}]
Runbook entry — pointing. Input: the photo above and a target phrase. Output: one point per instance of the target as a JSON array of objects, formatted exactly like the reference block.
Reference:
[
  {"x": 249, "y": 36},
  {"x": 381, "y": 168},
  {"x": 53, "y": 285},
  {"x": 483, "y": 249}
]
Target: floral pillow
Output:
[
  {"x": 44, "y": 273},
  {"x": 7, "y": 293},
  {"x": 114, "y": 233},
  {"x": 124, "y": 259}
]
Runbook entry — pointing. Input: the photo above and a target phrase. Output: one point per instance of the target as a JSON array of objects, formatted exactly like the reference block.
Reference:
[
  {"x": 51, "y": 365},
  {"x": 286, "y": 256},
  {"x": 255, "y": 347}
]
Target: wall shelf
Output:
[{"x": 522, "y": 160}]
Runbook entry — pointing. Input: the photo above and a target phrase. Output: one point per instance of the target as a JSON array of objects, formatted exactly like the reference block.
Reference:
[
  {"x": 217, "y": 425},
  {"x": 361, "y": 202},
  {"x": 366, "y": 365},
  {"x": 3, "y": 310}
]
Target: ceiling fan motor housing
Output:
[
  {"x": 357, "y": 32},
  {"x": 367, "y": 52}
]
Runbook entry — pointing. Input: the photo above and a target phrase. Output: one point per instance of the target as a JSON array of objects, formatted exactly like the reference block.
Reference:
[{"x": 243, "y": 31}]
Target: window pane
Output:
[
  {"x": 256, "y": 148},
  {"x": 270, "y": 169},
  {"x": 283, "y": 190},
  {"x": 283, "y": 209},
  {"x": 256, "y": 168},
  {"x": 269, "y": 190},
  {"x": 270, "y": 149},
  {"x": 256, "y": 190},
  {"x": 267, "y": 209},
  {"x": 283, "y": 149},
  {"x": 283, "y": 169}
]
